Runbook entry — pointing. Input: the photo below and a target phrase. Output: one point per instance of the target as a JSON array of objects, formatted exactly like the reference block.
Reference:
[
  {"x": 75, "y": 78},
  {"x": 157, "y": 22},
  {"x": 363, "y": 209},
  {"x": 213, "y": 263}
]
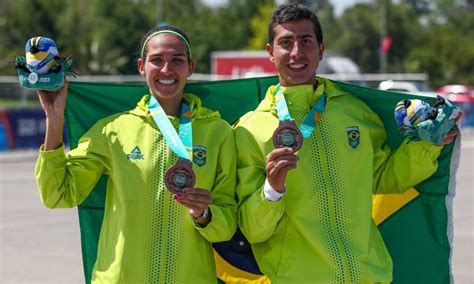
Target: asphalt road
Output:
[{"x": 38, "y": 245}]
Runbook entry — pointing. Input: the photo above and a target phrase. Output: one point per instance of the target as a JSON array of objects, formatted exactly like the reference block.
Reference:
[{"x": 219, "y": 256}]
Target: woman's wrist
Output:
[
  {"x": 204, "y": 218},
  {"x": 54, "y": 132}
]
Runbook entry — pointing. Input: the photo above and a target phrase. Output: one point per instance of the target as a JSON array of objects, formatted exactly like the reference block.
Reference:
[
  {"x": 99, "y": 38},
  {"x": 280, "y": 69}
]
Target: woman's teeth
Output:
[{"x": 166, "y": 82}]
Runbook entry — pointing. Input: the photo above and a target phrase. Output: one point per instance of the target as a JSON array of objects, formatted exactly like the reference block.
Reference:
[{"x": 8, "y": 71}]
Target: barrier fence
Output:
[{"x": 22, "y": 128}]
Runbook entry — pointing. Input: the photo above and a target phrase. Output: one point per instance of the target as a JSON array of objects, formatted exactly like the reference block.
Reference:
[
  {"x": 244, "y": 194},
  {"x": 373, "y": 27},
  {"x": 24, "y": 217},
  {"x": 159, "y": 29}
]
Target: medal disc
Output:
[
  {"x": 180, "y": 176},
  {"x": 288, "y": 135}
]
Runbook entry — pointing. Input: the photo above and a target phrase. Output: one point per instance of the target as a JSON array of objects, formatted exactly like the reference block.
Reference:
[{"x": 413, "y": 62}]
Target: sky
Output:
[{"x": 340, "y": 5}]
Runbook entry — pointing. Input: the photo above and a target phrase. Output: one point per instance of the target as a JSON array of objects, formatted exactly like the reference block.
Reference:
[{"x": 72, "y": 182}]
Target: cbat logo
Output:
[
  {"x": 353, "y": 136},
  {"x": 136, "y": 154},
  {"x": 199, "y": 155},
  {"x": 288, "y": 139},
  {"x": 179, "y": 179}
]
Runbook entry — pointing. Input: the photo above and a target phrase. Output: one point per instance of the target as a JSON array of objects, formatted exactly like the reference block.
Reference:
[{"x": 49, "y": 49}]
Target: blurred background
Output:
[{"x": 415, "y": 46}]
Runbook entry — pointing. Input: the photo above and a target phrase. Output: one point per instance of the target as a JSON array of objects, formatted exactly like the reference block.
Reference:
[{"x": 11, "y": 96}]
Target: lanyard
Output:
[
  {"x": 180, "y": 144},
  {"x": 309, "y": 123}
]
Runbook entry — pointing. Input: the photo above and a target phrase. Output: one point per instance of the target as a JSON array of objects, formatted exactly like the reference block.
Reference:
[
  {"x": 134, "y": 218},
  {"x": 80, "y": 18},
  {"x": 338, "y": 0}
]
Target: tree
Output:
[
  {"x": 359, "y": 38},
  {"x": 446, "y": 53},
  {"x": 102, "y": 40},
  {"x": 406, "y": 32},
  {"x": 103, "y": 35},
  {"x": 325, "y": 12},
  {"x": 116, "y": 35},
  {"x": 259, "y": 23},
  {"x": 28, "y": 19},
  {"x": 225, "y": 28},
  {"x": 259, "y": 27}
]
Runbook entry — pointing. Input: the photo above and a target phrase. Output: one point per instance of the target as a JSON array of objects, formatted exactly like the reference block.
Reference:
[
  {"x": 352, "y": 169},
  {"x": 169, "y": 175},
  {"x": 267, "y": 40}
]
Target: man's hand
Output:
[
  {"x": 279, "y": 162},
  {"x": 197, "y": 200},
  {"x": 452, "y": 133}
]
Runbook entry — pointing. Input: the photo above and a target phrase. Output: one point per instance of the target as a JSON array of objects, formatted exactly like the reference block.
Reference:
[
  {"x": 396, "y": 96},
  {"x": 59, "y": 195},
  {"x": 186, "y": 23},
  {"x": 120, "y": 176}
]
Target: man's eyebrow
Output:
[
  {"x": 298, "y": 37},
  {"x": 285, "y": 37},
  {"x": 305, "y": 36}
]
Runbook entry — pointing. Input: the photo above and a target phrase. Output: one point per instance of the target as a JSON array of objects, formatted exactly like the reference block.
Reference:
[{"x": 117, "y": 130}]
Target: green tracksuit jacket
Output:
[
  {"x": 321, "y": 230},
  {"x": 146, "y": 236}
]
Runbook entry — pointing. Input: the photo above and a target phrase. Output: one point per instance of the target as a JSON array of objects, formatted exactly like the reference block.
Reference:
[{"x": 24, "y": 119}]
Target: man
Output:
[{"x": 307, "y": 212}]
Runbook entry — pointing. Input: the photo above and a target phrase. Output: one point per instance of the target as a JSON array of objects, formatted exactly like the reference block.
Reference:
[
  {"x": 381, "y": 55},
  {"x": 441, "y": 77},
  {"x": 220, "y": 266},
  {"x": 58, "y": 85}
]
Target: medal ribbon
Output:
[
  {"x": 181, "y": 144},
  {"x": 309, "y": 123}
]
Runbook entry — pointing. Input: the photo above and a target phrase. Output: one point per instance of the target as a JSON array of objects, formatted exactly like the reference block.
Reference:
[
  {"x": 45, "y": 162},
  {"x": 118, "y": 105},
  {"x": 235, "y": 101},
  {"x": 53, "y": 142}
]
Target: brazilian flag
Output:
[{"x": 416, "y": 226}]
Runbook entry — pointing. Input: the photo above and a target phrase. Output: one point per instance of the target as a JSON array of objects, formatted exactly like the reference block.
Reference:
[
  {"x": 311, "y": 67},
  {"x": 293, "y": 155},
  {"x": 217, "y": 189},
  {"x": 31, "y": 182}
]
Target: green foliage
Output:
[
  {"x": 119, "y": 27},
  {"x": 359, "y": 38},
  {"x": 447, "y": 51},
  {"x": 102, "y": 35},
  {"x": 438, "y": 42},
  {"x": 331, "y": 28},
  {"x": 259, "y": 27},
  {"x": 405, "y": 31},
  {"x": 259, "y": 23},
  {"x": 212, "y": 29}
]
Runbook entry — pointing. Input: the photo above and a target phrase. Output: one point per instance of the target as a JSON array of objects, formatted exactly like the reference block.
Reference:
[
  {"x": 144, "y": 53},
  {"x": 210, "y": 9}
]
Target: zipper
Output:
[{"x": 332, "y": 215}]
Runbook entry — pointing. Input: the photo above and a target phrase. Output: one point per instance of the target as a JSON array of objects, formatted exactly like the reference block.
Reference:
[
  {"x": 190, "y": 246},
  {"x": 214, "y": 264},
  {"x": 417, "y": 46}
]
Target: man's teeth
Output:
[
  {"x": 166, "y": 82},
  {"x": 296, "y": 66}
]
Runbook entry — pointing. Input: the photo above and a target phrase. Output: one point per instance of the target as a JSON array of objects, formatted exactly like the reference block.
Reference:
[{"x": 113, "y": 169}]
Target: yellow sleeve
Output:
[
  {"x": 258, "y": 217},
  {"x": 399, "y": 170},
  {"x": 66, "y": 181}
]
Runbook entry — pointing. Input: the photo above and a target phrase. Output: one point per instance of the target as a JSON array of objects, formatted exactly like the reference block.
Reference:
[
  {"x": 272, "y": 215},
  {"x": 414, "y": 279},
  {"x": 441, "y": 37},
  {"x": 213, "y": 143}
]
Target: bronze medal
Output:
[
  {"x": 180, "y": 176},
  {"x": 288, "y": 135}
]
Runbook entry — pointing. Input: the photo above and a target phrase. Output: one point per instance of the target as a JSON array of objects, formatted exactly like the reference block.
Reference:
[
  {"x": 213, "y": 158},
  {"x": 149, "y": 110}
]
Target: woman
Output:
[{"x": 149, "y": 235}]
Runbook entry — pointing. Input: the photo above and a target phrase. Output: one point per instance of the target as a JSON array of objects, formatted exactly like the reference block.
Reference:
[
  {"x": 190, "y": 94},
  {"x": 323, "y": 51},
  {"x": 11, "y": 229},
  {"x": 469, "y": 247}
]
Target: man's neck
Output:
[{"x": 314, "y": 82}]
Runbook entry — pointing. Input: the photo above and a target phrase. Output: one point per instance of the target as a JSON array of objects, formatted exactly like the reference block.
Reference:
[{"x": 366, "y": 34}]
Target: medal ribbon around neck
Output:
[
  {"x": 309, "y": 123},
  {"x": 181, "y": 144}
]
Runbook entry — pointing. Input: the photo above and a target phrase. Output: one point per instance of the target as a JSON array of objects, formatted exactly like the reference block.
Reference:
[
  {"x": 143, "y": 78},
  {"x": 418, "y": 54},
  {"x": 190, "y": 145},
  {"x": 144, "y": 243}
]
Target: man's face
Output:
[{"x": 296, "y": 52}]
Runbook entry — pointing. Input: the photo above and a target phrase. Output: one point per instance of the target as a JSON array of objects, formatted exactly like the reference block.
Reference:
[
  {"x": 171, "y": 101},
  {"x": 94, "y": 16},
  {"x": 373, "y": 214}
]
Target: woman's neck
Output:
[{"x": 171, "y": 107}]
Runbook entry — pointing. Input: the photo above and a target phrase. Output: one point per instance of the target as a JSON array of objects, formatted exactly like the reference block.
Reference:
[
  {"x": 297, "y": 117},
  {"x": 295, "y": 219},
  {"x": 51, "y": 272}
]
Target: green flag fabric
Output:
[{"x": 416, "y": 227}]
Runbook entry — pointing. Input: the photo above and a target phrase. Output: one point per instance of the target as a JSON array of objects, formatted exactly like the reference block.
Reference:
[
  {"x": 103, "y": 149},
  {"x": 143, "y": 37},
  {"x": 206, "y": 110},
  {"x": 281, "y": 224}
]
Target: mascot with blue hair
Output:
[
  {"x": 417, "y": 120},
  {"x": 42, "y": 68}
]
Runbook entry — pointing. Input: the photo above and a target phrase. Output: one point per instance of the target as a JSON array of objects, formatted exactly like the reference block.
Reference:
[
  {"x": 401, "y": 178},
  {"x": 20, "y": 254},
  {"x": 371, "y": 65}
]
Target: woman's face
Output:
[{"x": 166, "y": 66}]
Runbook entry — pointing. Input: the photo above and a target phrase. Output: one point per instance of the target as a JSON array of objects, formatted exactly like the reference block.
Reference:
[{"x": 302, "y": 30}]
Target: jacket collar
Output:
[
  {"x": 301, "y": 96},
  {"x": 195, "y": 105}
]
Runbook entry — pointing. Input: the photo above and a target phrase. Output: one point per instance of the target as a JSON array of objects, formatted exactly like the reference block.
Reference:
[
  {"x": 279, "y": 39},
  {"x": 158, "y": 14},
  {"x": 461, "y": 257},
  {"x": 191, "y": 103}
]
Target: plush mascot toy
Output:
[
  {"x": 42, "y": 68},
  {"x": 417, "y": 120}
]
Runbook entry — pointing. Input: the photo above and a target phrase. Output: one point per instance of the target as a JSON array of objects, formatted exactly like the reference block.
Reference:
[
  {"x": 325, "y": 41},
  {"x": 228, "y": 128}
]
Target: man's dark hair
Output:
[
  {"x": 162, "y": 28},
  {"x": 294, "y": 12}
]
